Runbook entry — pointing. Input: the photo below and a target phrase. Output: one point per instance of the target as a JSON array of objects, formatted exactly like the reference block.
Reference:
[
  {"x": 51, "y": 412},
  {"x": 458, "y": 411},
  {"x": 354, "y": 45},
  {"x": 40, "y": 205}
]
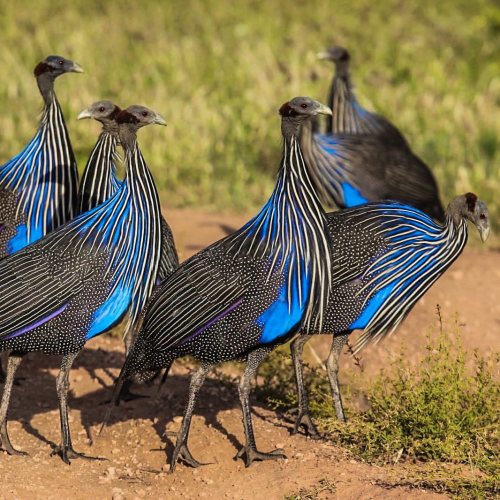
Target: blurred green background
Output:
[{"x": 218, "y": 70}]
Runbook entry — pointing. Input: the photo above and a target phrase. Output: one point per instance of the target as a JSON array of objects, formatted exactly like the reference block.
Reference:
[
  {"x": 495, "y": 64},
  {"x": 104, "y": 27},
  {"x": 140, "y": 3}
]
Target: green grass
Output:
[
  {"x": 219, "y": 70},
  {"x": 444, "y": 411}
]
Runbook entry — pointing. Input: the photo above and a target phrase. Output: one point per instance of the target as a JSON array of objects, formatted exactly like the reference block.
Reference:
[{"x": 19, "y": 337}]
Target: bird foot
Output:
[
  {"x": 251, "y": 454},
  {"x": 304, "y": 419},
  {"x": 6, "y": 446},
  {"x": 182, "y": 453},
  {"x": 68, "y": 453}
]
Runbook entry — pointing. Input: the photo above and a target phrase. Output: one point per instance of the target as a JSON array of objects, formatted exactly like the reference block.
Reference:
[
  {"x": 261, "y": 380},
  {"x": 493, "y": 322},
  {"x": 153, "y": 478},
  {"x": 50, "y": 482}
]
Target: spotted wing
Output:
[
  {"x": 36, "y": 284},
  {"x": 201, "y": 292}
]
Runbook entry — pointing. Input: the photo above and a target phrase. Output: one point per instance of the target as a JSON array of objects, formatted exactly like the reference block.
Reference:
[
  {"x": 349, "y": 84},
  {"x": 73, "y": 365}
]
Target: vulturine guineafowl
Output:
[
  {"x": 246, "y": 293},
  {"x": 384, "y": 258},
  {"x": 100, "y": 180},
  {"x": 363, "y": 157},
  {"x": 38, "y": 187},
  {"x": 348, "y": 117},
  {"x": 84, "y": 277}
]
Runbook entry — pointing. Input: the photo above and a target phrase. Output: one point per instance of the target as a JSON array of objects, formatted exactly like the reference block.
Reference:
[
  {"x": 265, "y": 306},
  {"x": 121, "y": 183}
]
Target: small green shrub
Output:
[
  {"x": 445, "y": 410},
  {"x": 440, "y": 411}
]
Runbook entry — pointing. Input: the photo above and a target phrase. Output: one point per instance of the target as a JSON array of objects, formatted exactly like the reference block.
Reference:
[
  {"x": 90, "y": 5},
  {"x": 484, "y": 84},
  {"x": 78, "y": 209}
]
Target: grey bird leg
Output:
[
  {"x": 249, "y": 451},
  {"x": 181, "y": 450},
  {"x": 65, "y": 449},
  {"x": 332, "y": 368},
  {"x": 13, "y": 363},
  {"x": 303, "y": 417},
  {"x": 17, "y": 381}
]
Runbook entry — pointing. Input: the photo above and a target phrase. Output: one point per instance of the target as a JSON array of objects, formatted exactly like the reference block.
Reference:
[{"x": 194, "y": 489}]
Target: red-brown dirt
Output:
[{"x": 135, "y": 440}]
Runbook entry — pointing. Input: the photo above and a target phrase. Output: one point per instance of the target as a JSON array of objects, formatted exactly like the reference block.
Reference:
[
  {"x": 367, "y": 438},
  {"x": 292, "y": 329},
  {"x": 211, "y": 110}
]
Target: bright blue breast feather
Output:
[
  {"x": 289, "y": 234},
  {"x": 287, "y": 311},
  {"x": 14, "y": 171},
  {"x": 371, "y": 308},
  {"x": 418, "y": 252},
  {"x": 127, "y": 228},
  {"x": 21, "y": 240},
  {"x": 106, "y": 227},
  {"x": 327, "y": 143},
  {"x": 13, "y": 176},
  {"x": 395, "y": 273},
  {"x": 334, "y": 163},
  {"x": 352, "y": 195},
  {"x": 44, "y": 177},
  {"x": 116, "y": 305},
  {"x": 285, "y": 314}
]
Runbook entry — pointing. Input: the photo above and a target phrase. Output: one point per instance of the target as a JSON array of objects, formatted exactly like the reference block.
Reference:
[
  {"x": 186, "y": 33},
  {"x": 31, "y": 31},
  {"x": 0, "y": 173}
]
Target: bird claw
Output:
[
  {"x": 305, "y": 420},
  {"x": 68, "y": 454},
  {"x": 182, "y": 453},
  {"x": 8, "y": 448},
  {"x": 251, "y": 454},
  {"x": 6, "y": 445}
]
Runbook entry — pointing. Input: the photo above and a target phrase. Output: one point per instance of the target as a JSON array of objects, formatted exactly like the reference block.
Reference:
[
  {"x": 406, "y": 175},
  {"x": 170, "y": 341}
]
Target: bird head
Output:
[
  {"x": 131, "y": 119},
  {"x": 298, "y": 110},
  {"x": 302, "y": 108},
  {"x": 102, "y": 111},
  {"x": 55, "y": 66},
  {"x": 140, "y": 116},
  {"x": 470, "y": 207},
  {"x": 339, "y": 56},
  {"x": 335, "y": 54}
]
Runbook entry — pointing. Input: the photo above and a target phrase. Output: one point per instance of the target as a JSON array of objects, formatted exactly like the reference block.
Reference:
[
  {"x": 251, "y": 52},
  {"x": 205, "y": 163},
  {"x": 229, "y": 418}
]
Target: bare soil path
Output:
[{"x": 135, "y": 441}]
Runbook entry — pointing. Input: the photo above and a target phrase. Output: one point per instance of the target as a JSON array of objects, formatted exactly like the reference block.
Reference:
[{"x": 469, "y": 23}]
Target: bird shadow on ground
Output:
[{"x": 37, "y": 395}]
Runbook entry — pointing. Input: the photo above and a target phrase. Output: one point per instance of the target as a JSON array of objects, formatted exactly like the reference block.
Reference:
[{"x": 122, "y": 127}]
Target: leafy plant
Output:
[{"x": 446, "y": 410}]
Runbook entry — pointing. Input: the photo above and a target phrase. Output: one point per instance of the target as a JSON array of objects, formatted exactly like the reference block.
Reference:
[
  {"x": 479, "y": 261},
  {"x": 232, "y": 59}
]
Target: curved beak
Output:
[
  {"x": 84, "y": 114},
  {"x": 76, "y": 68},
  {"x": 324, "y": 110},
  {"x": 484, "y": 232},
  {"x": 323, "y": 55},
  {"x": 159, "y": 120}
]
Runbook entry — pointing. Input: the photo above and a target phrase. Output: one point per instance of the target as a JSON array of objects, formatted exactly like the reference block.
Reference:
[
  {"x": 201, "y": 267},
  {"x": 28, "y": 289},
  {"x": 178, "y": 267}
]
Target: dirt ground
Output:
[{"x": 135, "y": 442}]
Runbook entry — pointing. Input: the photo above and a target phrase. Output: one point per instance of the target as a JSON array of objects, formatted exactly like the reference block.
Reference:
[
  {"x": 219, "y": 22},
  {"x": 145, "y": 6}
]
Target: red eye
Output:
[
  {"x": 60, "y": 62},
  {"x": 101, "y": 109},
  {"x": 303, "y": 105}
]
